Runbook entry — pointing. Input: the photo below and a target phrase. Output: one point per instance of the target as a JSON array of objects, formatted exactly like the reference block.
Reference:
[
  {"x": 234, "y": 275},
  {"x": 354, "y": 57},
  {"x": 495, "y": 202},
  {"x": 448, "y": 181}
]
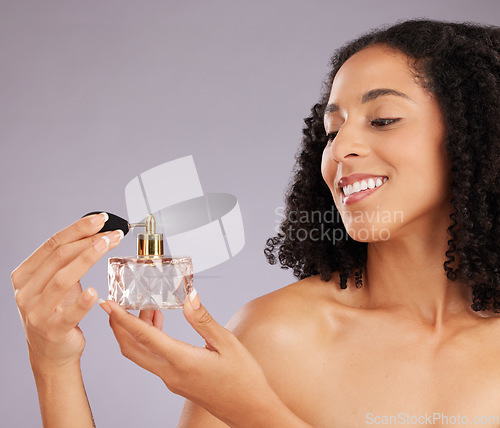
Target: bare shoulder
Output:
[
  {"x": 494, "y": 325},
  {"x": 285, "y": 306},
  {"x": 289, "y": 319}
]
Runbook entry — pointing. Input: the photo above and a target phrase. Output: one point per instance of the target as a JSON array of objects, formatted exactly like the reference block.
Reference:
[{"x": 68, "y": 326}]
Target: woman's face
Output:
[{"x": 386, "y": 135}]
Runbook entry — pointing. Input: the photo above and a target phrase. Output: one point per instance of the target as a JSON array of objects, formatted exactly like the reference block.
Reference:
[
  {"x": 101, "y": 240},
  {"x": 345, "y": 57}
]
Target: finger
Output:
[
  {"x": 149, "y": 336},
  {"x": 82, "y": 228},
  {"x": 135, "y": 351},
  {"x": 74, "y": 313},
  {"x": 158, "y": 319},
  {"x": 147, "y": 315},
  {"x": 63, "y": 280},
  {"x": 152, "y": 317},
  {"x": 59, "y": 258},
  {"x": 28, "y": 292},
  {"x": 72, "y": 295},
  {"x": 196, "y": 314}
]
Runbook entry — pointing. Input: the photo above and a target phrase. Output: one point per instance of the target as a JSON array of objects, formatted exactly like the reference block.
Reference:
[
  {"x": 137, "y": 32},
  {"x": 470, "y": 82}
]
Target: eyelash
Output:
[
  {"x": 330, "y": 137},
  {"x": 377, "y": 123},
  {"x": 384, "y": 122}
]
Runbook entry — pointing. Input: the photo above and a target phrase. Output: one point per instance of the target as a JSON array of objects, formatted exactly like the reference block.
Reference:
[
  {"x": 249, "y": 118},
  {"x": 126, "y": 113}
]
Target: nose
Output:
[{"x": 348, "y": 143}]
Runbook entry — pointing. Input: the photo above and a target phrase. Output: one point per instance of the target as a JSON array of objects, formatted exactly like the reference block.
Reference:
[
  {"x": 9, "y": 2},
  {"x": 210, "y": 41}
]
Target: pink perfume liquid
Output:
[{"x": 144, "y": 282}]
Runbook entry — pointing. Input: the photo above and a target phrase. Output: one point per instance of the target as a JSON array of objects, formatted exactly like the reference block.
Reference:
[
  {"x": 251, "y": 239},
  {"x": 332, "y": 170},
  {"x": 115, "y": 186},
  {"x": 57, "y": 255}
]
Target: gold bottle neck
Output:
[{"x": 150, "y": 244}]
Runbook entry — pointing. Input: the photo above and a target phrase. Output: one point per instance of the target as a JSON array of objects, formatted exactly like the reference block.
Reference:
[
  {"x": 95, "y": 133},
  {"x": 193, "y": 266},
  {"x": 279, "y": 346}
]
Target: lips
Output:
[
  {"x": 351, "y": 179},
  {"x": 358, "y": 186}
]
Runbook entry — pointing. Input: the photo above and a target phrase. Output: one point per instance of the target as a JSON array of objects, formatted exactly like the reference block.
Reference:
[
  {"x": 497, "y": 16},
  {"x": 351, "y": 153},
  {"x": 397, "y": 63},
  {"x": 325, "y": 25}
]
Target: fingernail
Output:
[
  {"x": 115, "y": 236},
  {"x": 102, "y": 243},
  {"x": 194, "y": 298},
  {"x": 104, "y": 306},
  {"x": 88, "y": 295},
  {"x": 99, "y": 218}
]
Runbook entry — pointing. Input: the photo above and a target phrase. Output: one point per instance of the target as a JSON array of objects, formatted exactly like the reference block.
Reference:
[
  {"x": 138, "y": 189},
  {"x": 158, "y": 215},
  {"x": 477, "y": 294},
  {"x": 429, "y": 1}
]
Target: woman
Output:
[{"x": 394, "y": 320}]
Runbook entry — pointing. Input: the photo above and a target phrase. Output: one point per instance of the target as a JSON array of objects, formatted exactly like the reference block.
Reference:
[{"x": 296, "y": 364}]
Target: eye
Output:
[
  {"x": 384, "y": 122},
  {"x": 331, "y": 136}
]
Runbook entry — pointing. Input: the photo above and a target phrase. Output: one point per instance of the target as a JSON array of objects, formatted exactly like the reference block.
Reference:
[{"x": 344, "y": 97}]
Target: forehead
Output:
[{"x": 373, "y": 67}]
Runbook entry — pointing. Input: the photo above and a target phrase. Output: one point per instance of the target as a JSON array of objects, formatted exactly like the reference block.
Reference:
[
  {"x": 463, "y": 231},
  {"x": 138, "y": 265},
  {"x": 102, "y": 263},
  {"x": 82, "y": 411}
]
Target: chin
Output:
[{"x": 369, "y": 232}]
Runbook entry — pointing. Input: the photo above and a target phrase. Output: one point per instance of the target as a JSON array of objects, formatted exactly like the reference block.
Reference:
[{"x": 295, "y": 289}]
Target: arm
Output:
[
  {"x": 256, "y": 325},
  {"x": 51, "y": 303},
  {"x": 62, "y": 397},
  {"x": 272, "y": 415},
  {"x": 223, "y": 378}
]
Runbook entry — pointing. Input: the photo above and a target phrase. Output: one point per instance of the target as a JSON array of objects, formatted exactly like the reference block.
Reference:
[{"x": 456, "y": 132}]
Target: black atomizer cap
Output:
[{"x": 114, "y": 222}]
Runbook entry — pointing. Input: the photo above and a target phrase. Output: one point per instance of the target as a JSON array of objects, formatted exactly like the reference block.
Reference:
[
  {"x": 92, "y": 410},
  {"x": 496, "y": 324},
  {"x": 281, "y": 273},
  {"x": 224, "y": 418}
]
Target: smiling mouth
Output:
[{"x": 362, "y": 186}]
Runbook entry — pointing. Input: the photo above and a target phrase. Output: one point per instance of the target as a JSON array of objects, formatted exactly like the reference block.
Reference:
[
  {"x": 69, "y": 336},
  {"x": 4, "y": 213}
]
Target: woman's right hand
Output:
[{"x": 49, "y": 295}]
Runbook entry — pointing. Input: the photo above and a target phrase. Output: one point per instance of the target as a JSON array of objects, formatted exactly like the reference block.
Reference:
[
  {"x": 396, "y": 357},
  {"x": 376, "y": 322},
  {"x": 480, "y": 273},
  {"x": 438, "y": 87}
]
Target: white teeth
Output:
[{"x": 359, "y": 186}]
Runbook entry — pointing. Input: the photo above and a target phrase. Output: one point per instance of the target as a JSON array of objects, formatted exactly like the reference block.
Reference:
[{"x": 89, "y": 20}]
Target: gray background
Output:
[{"x": 95, "y": 92}]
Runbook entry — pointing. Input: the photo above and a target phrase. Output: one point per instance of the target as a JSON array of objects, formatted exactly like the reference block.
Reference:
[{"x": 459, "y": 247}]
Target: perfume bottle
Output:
[{"x": 150, "y": 280}]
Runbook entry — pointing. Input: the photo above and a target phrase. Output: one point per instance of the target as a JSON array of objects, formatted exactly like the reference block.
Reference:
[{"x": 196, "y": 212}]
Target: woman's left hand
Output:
[{"x": 223, "y": 377}]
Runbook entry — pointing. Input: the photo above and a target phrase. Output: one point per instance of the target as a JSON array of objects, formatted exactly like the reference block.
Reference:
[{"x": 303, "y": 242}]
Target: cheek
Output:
[
  {"x": 328, "y": 168},
  {"x": 421, "y": 172},
  {"x": 427, "y": 164}
]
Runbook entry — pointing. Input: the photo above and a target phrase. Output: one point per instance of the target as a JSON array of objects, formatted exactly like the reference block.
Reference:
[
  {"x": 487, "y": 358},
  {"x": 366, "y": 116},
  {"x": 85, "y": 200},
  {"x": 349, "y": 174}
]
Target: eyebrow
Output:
[{"x": 370, "y": 96}]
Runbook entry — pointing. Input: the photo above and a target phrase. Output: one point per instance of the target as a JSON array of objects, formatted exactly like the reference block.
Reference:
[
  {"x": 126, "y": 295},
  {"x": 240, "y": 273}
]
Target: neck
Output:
[{"x": 407, "y": 275}]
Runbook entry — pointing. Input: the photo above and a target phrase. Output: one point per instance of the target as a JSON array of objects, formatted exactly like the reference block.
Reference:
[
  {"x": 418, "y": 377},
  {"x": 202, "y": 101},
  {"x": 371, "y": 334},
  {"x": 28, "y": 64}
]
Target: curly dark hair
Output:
[{"x": 459, "y": 63}]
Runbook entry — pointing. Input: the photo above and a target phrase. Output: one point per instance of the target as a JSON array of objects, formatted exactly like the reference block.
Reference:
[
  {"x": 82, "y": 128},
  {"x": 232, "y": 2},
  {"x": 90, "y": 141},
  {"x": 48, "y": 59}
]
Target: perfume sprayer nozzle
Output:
[{"x": 149, "y": 244}]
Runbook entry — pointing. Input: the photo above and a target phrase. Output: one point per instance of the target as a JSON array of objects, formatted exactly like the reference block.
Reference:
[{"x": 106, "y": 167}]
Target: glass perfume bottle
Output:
[{"x": 150, "y": 280}]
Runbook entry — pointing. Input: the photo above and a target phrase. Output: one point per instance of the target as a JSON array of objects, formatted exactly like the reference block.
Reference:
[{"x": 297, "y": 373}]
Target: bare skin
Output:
[
  {"x": 333, "y": 361},
  {"x": 309, "y": 355},
  {"x": 222, "y": 377},
  {"x": 406, "y": 343},
  {"x": 51, "y": 303}
]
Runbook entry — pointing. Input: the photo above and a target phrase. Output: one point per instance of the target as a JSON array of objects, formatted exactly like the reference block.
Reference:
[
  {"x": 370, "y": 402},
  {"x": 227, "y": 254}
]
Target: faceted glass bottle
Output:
[{"x": 150, "y": 280}]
